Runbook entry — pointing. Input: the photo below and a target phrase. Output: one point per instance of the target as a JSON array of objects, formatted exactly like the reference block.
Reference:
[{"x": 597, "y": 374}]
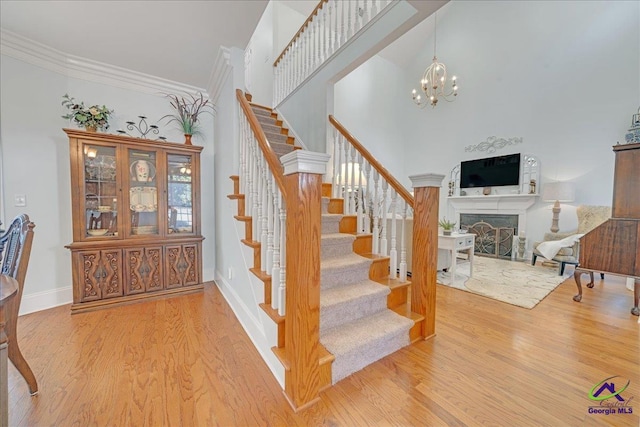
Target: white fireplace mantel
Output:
[{"x": 506, "y": 204}]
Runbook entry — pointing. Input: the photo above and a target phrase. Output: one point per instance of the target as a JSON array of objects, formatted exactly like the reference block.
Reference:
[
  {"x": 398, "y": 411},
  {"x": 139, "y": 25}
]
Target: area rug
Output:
[{"x": 513, "y": 282}]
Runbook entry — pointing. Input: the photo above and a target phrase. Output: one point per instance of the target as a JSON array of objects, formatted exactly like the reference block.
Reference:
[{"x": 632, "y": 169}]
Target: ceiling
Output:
[{"x": 174, "y": 40}]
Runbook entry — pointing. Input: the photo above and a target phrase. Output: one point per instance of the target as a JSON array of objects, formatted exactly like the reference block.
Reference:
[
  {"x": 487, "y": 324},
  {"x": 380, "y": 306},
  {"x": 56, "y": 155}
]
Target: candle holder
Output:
[
  {"x": 143, "y": 129},
  {"x": 634, "y": 131}
]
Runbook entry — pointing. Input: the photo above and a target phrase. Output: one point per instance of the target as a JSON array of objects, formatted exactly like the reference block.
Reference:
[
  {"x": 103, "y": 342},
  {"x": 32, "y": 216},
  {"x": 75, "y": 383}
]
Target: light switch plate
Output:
[{"x": 20, "y": 200}]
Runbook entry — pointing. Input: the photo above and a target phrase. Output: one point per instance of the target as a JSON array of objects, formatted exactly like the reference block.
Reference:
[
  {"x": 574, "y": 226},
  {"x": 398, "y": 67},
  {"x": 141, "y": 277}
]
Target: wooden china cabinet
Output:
[
  {"x": 614, "y": 246},
  {"x": 136, "y": 218}
]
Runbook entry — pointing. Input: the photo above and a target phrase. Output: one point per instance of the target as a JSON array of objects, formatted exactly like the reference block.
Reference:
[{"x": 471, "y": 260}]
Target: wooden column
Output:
[
  {"x": 303, "y": 172},
  {"x": 425, "y": 248}
]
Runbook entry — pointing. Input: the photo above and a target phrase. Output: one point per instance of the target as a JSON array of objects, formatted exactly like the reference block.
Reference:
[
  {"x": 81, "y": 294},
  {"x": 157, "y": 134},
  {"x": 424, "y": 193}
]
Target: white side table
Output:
[{"x": 455, "y": 243}]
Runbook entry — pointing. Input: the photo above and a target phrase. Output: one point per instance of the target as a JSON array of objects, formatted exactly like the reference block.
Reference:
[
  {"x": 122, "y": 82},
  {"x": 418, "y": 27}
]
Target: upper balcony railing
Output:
[{"x": 327, "y": 29}]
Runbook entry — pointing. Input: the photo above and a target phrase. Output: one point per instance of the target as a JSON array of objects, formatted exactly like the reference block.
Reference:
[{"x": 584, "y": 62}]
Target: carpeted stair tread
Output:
[
  {"x": 361, "y": 342},
  {"x": 266, "y": 120},
  {"x": 271, "y": 129},
  {"x": 330, "y": 223},
  {"x": 336, "y": 245},
  {"x": 276, "y": 137},
  {"x": 261, "y": 111},
  {"x": 351, "y": 260},
  {"x": 343, "y": 304},
  {"x": 281, "y": 149},
  {"x": 342, "y": 271}
]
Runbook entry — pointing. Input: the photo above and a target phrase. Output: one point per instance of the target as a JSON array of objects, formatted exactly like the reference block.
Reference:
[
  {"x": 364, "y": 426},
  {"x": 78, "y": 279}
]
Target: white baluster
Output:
[
  {"x": 368, "y": 203},
  {"x": 349, "y": 27},
  {"x": 332, "y": 35},
  {"x": 374, "y": 9},
  {"x": 264, "y": 216},
  {"x": 352, "y": 182},
  {"x": 337, "y": 148},
  {"x": 254, "y": 191},
  {"x": 323, "y": 34},
  {"x": 393, "y": 252},
  {"x": 366, "y": 16},
  {"x": 343, "y": 34},
  {"x": 344, "y": 178},
  {"x": 283, "y": 260},
  {"x": 376, "y": 213},
  {"x": 360, "y": 200},
  {"x": 275, "y": 271},
  {"x": 269, "y": 263},
  {"x": 383, "y": 218}
]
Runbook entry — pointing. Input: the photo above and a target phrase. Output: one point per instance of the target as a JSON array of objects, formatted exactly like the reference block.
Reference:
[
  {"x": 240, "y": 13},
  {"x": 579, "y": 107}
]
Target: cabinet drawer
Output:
[{"x": 468, "y": 241}]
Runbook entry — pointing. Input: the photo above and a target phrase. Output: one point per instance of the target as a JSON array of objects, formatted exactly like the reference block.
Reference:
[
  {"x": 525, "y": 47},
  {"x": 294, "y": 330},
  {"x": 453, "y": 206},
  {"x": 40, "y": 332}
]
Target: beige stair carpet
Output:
[{"x": 355, "y": 324}]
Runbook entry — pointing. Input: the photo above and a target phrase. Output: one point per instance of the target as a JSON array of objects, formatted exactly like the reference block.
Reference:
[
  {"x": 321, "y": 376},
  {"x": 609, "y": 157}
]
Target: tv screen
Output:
[{"x": 490, "y": 172}]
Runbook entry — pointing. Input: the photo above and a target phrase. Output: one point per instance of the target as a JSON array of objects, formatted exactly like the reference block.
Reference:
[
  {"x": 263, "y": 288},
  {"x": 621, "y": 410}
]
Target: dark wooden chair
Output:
[{"x": 15, "y": 249}]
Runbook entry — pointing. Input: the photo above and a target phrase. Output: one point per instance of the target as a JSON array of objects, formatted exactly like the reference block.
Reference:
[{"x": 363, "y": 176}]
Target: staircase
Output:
[
  {"x": 279, "y": 139},
  {"x": 357, "y": 325},
  {"x": 364, "y": 315}
]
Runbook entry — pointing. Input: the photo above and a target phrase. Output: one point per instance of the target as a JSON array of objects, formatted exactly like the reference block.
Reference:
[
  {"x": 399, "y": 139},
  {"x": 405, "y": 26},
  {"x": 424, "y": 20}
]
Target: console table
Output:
[{"x": 458, "y": 242}]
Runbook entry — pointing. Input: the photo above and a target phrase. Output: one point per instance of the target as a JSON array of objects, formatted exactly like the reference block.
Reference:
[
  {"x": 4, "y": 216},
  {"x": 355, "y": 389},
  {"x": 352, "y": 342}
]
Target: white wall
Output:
[
  {"x": 563, "y": 75},
  {"x": 368, "y": 105},
  {"x": 260, "y": 67},
  {"x": 36, "y": 164}
]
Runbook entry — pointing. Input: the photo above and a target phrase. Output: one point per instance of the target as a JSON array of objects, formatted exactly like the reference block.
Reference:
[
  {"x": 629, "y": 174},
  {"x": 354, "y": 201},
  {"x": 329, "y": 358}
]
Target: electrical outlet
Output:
[
  {"x": 230, "y": 273},
  {"x": 20, "y": 200}
]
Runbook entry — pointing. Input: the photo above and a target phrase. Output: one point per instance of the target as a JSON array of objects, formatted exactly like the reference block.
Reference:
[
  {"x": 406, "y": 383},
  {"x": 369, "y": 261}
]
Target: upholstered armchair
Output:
[{"x": 589, "y": 217}]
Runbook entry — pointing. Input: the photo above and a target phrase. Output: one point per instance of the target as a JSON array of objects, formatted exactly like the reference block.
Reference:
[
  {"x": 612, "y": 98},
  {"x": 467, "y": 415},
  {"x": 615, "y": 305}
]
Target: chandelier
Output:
[{"x": 434, "y": 80}]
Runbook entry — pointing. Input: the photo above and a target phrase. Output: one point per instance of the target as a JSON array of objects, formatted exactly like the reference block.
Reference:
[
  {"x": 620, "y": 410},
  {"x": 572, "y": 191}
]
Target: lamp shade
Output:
[{"x": 561, "y": 191}]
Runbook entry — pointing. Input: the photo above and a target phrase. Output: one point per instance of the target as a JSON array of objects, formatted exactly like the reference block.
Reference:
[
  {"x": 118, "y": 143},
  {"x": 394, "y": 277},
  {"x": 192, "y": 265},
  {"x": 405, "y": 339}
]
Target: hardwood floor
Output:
[{"x": 187, "y": 361}]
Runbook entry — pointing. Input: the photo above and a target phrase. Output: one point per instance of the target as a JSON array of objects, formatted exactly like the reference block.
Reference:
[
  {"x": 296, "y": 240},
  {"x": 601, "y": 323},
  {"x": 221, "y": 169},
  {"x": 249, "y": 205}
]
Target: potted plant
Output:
[
  {"x": 447, "y": 226},
  {"x": 188, "y": 110},
  {"x": 91, "y": 118}
]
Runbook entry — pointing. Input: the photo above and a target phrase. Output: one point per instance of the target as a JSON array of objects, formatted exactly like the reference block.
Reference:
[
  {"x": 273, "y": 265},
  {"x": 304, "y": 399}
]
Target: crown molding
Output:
[
  {"x": 219, "y": 73},
  {"x": 23, "y": 49}
]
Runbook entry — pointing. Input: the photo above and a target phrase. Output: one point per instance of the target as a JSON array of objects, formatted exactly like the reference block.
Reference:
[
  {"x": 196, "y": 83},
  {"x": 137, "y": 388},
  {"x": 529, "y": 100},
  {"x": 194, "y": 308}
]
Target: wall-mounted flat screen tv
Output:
[{"x": 490, "y": 172}]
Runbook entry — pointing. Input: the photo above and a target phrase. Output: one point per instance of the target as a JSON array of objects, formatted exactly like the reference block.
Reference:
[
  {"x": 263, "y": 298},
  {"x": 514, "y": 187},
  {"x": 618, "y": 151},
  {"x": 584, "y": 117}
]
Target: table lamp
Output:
[{"x": 559, "y": 191}]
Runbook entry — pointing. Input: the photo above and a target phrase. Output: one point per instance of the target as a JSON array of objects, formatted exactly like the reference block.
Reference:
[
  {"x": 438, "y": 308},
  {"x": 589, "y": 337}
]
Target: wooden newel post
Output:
[
  {"x": 425, "y": 248},
  {"x": 303, "y": 172}
]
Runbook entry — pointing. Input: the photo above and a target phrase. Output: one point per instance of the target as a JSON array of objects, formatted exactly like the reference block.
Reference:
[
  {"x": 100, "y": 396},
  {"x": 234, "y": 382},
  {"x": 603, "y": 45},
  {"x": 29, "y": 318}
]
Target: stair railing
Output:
[
  {"x": 331, "y": 24},
  {"x": 262, "y": 183},
  {"x": 371, "y": 193}
]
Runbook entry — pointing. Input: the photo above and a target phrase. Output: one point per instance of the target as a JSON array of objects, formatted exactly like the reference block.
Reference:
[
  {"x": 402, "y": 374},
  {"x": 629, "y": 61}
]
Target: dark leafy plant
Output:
[
  {"x": 188, "y": 110},
  {"x": 95, "y": 116}
]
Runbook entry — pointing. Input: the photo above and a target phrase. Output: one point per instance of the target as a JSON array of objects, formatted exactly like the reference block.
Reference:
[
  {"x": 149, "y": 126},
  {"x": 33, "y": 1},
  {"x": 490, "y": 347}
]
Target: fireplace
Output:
[
  {"x": 491, "y": 208},
  {"x": 494, "y": 233}
]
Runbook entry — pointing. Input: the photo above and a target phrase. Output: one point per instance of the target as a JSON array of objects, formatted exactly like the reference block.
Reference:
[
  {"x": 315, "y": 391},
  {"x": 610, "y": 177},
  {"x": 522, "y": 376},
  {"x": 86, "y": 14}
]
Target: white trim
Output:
[
  {"x": 39, "y": 301},
  {"x": 38, "y": 54},
  {"x": 302, "y": 161},
  {"x": 221, "y": 69},
  {"x": 252, "y": 327},
  {"x": 426, "y": 180}
]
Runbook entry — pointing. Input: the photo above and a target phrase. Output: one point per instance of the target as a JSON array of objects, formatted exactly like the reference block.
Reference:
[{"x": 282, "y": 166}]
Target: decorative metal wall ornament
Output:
[
  {"x": 143, "y": 129},
  {"x": 492, "y": 144}
]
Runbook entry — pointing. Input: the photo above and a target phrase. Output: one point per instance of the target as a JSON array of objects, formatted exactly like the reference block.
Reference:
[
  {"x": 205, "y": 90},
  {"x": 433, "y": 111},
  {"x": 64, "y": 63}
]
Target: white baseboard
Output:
[
  {"x": 46, "y": 299},
  {"x": 252, "y": 327}
]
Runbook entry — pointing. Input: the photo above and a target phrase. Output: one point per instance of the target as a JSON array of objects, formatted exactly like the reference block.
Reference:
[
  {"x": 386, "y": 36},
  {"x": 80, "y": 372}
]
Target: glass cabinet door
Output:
[
  {"x": 100, "y": 192},
  {"x": 143, "y": 192},
  {"x": 180, "y": 193}
]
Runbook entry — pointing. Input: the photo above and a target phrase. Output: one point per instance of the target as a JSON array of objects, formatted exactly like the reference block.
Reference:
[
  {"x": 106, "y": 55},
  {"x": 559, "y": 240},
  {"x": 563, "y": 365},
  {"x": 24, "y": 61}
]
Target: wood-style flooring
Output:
[{"x": 186, "y": 361}]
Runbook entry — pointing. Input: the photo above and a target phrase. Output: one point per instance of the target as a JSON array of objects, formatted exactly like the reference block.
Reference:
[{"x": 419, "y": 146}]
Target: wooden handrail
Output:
[
  {"x": 372, "y": 160},
  {"x": 301, "y": 30},
  {"x": 269, "y": 155}
]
